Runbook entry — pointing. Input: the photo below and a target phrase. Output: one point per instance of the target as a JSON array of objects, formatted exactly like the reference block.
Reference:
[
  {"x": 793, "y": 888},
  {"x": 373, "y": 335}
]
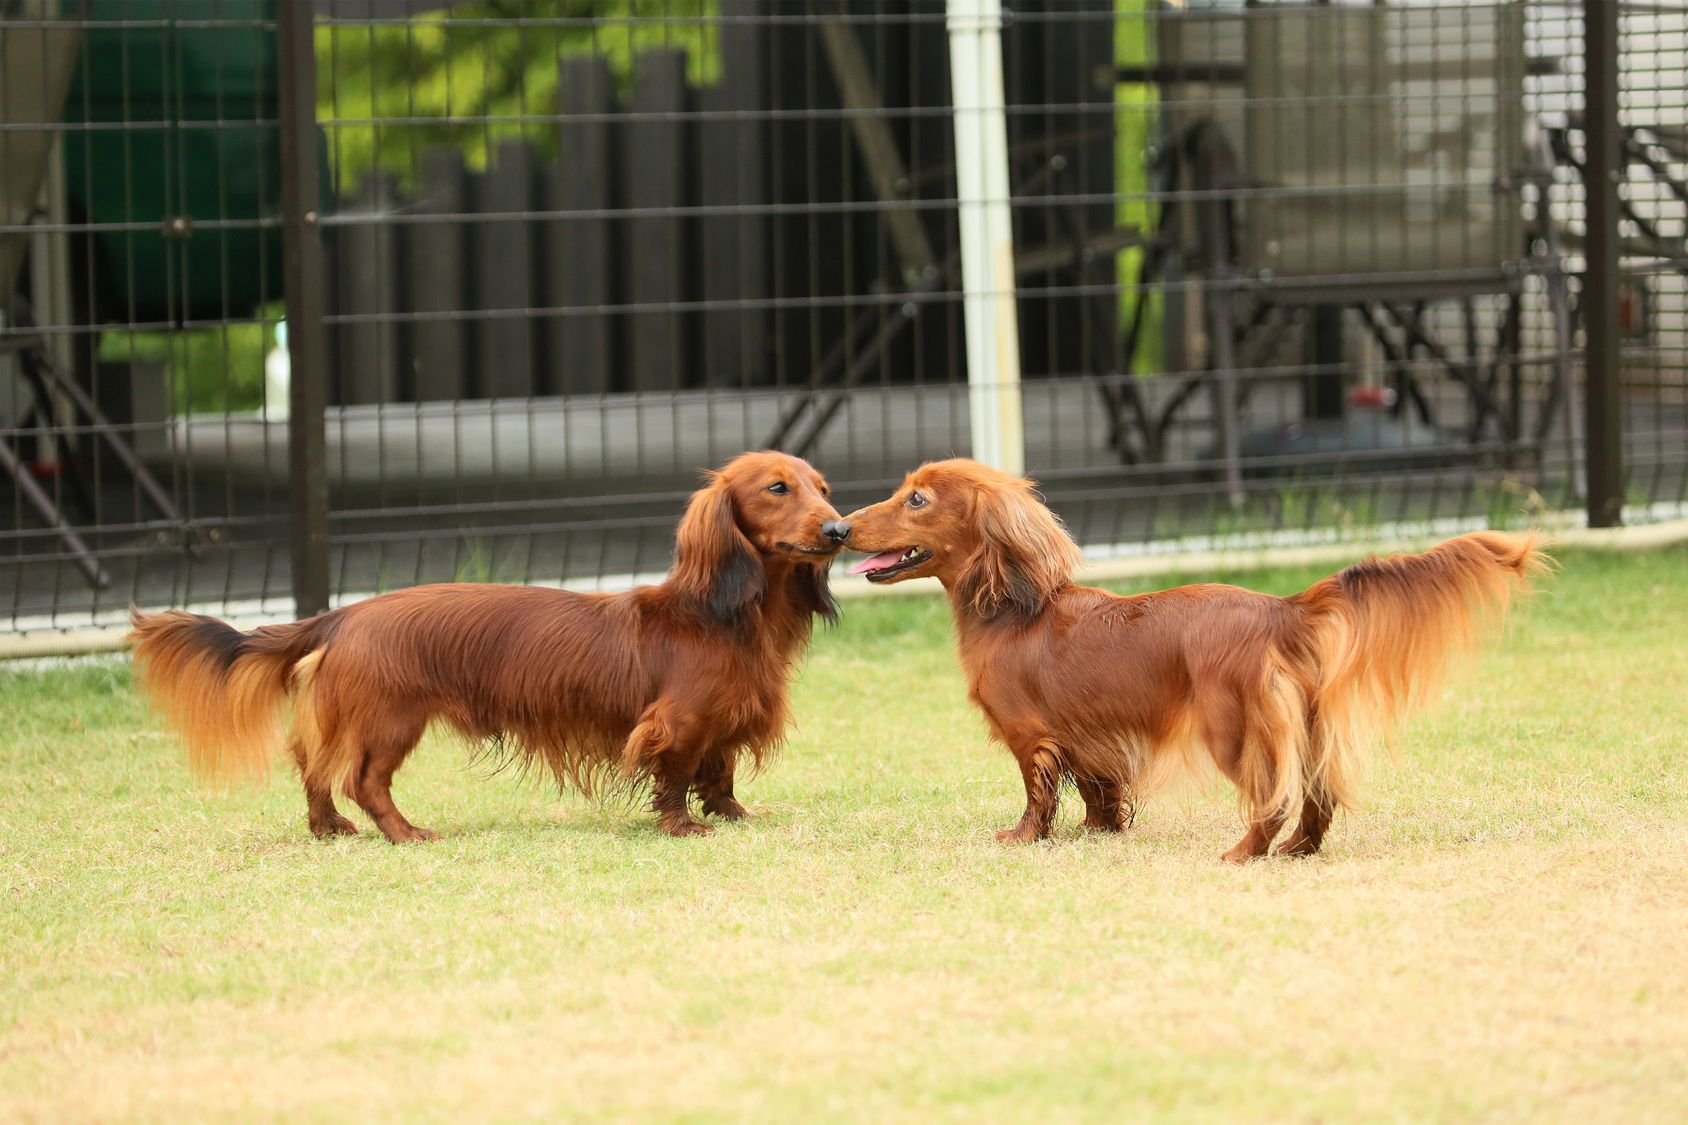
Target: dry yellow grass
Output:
[{"x": 1501, "y": 935}]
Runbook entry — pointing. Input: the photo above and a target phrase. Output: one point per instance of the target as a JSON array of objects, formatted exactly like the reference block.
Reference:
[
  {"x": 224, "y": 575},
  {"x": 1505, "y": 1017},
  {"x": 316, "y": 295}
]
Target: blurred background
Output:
[{"x": 304, "y": 301}]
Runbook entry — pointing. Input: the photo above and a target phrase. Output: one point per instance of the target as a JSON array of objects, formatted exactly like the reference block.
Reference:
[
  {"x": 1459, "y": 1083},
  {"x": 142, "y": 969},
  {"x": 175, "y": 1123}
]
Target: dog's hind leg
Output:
[
  {"x": 1264, "y": 820},
  {"x": 1316, "y": 811},
  {"x": 1262, "y": 829},
  {"x": 305, "y": 743},
  {"x": 1104, "y": 803},
  {"x": 325, "y": 818},
  {"x": 1318, "y": 806},
  {"x": 714, "y": 785},
  {"x": 385, "y": 741},
  {"x": 1252, "y": 770}
]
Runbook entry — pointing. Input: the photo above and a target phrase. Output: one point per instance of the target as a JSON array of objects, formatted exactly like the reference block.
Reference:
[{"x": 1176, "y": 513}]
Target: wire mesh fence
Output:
[{"x": 1280, "y": 269}]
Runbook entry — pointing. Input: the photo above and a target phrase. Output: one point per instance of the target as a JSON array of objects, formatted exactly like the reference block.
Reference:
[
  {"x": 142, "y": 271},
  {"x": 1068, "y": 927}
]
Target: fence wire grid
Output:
[{"x": 1281, "y": 269}]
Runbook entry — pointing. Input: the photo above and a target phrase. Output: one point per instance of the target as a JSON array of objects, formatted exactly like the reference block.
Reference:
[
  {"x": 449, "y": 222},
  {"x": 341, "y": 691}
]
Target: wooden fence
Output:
[{"x": 728, "y": 235}]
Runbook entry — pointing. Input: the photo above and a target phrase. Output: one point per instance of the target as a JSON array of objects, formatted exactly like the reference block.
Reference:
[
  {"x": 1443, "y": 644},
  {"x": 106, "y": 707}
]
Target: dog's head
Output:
[
  {"x": 982, "y": 533},
  {"x": 757, "y": 511}
]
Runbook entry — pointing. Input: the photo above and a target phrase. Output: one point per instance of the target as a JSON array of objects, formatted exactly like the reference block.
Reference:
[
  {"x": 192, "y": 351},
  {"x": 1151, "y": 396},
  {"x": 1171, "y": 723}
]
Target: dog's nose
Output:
[{"x": 836, "y": 531}]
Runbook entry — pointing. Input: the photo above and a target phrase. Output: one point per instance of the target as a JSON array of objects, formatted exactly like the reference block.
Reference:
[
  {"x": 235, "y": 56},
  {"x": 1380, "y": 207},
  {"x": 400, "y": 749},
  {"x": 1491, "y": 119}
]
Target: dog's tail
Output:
[
  {"x": 1382, "y": 635},
  {"x": 223, "y": 690}
]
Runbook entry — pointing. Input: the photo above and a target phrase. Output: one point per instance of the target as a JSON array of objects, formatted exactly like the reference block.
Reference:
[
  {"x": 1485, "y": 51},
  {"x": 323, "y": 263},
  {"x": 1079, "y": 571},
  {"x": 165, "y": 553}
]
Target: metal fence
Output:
[{"x": 307, "y": 304}]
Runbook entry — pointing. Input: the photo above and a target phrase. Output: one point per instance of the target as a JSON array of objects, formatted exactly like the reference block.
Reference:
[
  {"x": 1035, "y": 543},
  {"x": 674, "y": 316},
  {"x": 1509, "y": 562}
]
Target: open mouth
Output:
[{"x": 888, "y": 564}]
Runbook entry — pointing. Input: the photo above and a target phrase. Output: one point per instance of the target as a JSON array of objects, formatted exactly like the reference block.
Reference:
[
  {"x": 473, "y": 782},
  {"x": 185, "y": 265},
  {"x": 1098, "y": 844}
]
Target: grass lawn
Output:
[{"x": 1501, "y": 934}]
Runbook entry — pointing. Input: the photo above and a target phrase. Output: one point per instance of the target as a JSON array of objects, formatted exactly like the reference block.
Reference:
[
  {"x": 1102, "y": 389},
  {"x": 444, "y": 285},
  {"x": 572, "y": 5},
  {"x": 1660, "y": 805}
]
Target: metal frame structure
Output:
[{"x": 1252, "y": 285}]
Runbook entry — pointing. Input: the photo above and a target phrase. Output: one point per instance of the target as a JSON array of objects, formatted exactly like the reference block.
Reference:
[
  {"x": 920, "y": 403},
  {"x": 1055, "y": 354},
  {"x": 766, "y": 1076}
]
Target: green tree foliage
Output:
[{"x": 481, "y": 73}]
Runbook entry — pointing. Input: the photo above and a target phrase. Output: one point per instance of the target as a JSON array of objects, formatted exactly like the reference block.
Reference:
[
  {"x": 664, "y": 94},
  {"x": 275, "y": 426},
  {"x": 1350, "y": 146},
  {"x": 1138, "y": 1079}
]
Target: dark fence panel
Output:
[
  {"x": 140, "y": 280},
  {"x": 1283, "y": 270}
]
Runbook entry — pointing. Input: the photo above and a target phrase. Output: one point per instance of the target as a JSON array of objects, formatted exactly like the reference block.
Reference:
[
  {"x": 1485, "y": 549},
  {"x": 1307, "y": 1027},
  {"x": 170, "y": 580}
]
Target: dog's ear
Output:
[
  {"x": 1024, "y": 553},
  {"x": 713, "y": 561},
  {"x": 810, "y": 592}
]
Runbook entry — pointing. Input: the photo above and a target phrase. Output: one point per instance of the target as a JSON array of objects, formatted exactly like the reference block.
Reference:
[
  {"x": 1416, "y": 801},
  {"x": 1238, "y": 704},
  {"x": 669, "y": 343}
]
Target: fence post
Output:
[
  {"x": 1602, "y": 359},
  {"x": 987, "y": 233},
  {"x": 307, "y": 461}
]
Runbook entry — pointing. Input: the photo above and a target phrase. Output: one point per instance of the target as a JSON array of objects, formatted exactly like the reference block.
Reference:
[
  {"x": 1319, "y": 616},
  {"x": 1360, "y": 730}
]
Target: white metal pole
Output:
[{"x": 987, "y": 234}]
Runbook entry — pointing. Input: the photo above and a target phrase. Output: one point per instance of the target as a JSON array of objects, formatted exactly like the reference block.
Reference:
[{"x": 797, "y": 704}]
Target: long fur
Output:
[
  {"x": 670, "y": 683},
  {"x": 1287, "y": 696},
  {"x": 224, "y": 691},
  {"x": 1384, "y": 633},
  {"x": 1023, "y": 554}
]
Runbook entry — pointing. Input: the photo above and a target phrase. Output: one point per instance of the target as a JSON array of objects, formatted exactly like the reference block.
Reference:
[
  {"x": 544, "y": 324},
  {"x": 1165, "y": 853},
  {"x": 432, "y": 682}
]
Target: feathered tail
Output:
[
  {"x": 223, "y": 690},
  {"x": 1384, "y": 632}
]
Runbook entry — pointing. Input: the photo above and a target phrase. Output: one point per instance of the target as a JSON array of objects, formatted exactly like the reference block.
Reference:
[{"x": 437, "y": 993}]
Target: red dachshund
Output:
[
  {"x": 1285, "y": 694},
  {"x": 673, "y": 683}
]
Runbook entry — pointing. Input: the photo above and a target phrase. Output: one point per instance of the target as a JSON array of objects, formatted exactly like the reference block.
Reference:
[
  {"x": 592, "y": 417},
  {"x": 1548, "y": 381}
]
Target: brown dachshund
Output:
[
  {"x": 670, "y": 683},
  {"x": 1285, "y": 694}
]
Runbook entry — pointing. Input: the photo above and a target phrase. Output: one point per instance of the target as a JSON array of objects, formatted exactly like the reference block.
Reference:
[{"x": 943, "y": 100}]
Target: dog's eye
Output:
[
  {"x": 916, "y": 500},
  {"x": 778, "y": 488}
]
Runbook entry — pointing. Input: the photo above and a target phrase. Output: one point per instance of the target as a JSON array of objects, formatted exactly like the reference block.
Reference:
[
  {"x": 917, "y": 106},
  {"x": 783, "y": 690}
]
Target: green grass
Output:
[{"x": 1501, "y": 934}]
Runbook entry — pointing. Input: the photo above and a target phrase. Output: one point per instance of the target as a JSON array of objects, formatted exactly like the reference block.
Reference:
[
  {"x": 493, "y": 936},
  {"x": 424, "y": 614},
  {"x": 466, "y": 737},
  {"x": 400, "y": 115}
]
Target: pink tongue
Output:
[{"x": 877, "y": 562}]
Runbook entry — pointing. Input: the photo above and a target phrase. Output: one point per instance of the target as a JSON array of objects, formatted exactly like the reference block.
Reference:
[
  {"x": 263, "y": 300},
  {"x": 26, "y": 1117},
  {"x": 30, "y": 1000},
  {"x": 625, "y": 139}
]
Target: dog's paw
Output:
[
  {"x": 335, "y": 825},
  {"x": 1019, "y": 834},
  {"x": 687, "y": 828},
  {"x": 411, "y": 834},
  {"x": 727, "y": 809},
  {"x": 1297, "y": 846}
]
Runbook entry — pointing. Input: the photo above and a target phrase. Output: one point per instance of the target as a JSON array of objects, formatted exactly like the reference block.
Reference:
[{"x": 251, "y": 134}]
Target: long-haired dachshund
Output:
[
  {"x": 671, "y": 683},
  {"x": 1285, "y": 694}
]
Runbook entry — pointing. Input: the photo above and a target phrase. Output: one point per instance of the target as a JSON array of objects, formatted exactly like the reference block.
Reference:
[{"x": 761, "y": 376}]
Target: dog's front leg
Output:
[
  {"x": 664, "y": 745},
  {"x": 1104, "y": 803},
  {"x": 1040, "y": 770},
  {"x": 714, "y": 785},
  {"x": 675, "y": 769}
]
